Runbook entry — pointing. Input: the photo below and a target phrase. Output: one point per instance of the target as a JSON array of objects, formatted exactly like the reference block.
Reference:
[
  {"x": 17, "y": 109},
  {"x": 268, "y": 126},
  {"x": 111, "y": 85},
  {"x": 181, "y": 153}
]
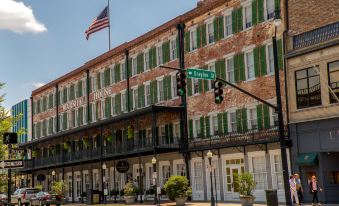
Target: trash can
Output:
[
  {"x": 271, "y": 198},
  {"x": 93, "y": 197}
]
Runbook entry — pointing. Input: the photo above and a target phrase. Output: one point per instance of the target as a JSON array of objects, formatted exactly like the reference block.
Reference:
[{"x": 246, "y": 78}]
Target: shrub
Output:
[
  {"x": 246, "y": 183},
  {"x": 60, "y": 187},
  {"x": 177, "y": 186},
  {"x": 130, "y": 189},
  {"x": 39, "y": 187}
]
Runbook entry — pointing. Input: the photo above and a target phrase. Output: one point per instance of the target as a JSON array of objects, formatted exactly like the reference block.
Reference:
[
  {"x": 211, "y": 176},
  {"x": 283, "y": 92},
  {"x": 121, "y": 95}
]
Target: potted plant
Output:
[
  {"x": 246, "y": 186},
  {"x": 130, "y": 192},
  {"x": 61, "y": 188},
  {"x": 177, "y": 189}
]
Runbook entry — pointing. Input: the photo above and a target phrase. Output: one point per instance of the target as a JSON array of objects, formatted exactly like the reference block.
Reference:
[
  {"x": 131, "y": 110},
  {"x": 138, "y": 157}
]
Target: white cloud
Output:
[
  {"x": 19, "y": 18},
  {"x": 38, "y": 84}
]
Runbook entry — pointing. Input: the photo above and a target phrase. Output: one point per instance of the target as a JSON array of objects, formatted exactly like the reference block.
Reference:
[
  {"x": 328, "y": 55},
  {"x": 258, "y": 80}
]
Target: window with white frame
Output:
[
  {"x": 215, "y": 128},
  {"x": 134, "y": 66},
  {"x": 249, "y": 60},
  {"x": 270, "y": 9},
  {"x": 123, "y": 71},
  {"x": 197, "y": 176},
  {"x": 259, "y": 172},
  {"x": 123, "y": 101},
  {"x": 102, "y": 79},
  {"x": 166, "y": 173},
  {"x": 252, "y": 118},
  {"x": 273, "y": 118},
  {"x": 228, "y": 25},
  {"x": 159, "y": 55},
  {"x": 173, "y": 48},
  {"x": 270, "y": 58},
  {"x": 113, "y": 105},
  {"x": 161, "y": 90},
  {"x": 162, "y": 133},
  {"x": 174, "y": 86},
  {"x": 195, "y": 83},
  {"x": 147, "y": 94},
  {"x": 193, "y": 39},
  {"x": 233, "y": 121},
  {"x": 211, "y": 67},
  {"x": 176, "y": 131},
  {"x": 197, "y": 128},
  {"x": 180, "y": 169},
  {"x": 210, "y": 32},
  {"x": 248, "y": 16},
  {"x": 146, "y": 57},
  {"x": 149, "y": 137},
  {"x": 277, "y": 175},
  {"x": 135, "y": 98},
  {"x": 230, "y": 70}
]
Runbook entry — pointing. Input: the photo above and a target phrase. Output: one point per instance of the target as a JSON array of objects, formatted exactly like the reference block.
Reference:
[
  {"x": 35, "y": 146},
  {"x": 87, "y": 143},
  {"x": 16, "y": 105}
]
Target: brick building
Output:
[
  {"x": 92, "y": 116},
  {"x": 312, "y": 69}
]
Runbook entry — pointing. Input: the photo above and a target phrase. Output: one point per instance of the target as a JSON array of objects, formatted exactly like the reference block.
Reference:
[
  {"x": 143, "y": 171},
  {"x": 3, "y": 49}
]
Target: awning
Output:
[{"x": 308, "y": 159}]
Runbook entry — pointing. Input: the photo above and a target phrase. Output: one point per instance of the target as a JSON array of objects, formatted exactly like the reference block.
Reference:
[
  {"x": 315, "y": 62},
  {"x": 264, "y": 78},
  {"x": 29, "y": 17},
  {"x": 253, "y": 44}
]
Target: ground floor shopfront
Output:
[{"x": 263, "y": 161}]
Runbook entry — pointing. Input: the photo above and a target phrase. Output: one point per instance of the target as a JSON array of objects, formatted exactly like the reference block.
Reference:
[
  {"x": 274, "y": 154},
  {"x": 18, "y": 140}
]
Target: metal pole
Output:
[
  {"x": 212, "y": 195},
  {"x": 109, "y": 27},
  {"x": 127, "y": 78},
  {"x": 281, "y": 124},
  {"x": 9, "y": 177},
  {"x": 155, "y": 183},
  {"x": 184, "y": 131}
]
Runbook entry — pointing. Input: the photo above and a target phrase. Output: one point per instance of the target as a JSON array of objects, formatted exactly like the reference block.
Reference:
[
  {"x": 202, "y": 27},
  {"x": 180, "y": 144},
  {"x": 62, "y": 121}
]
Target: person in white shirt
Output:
[{"x": 293, "y": 189}]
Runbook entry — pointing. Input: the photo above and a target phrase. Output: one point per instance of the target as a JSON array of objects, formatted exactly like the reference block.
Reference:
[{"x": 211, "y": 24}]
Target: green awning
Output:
[{"x": 308, "y": 159}]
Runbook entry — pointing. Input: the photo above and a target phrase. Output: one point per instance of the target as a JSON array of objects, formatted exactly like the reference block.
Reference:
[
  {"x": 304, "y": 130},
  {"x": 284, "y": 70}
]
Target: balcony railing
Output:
[
  {"x": 316, "y": 36},
  {"x": 235, "y": 139}
]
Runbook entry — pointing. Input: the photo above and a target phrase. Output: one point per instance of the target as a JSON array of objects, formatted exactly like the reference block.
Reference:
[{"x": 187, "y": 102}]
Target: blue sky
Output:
[{"x": 28, "y": 59}]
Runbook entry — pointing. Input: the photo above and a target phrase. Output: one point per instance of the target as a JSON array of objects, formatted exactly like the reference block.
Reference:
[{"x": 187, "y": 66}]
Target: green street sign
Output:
[{"x": 200, "y": 74}]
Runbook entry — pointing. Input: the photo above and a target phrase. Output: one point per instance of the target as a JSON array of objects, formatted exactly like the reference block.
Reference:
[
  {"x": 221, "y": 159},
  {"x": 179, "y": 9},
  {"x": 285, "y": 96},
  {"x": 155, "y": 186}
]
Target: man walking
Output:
[{"x": 293, "y": 188}]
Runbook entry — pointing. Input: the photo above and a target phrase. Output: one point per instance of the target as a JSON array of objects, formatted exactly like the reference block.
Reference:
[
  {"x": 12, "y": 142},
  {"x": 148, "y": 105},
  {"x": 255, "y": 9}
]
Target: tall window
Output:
[
  {"x": 308, "y": 88},
  {"x": 134, "y": 66},
  {"x": 210, "y": 32},
  {"x": 270, "y": 9},
  {"x": 193, "y": 39},
  {"x": 270, "y": 59},
  {"x": 248, "y": 16},
  {"x": 174, "y": 86},
  {"x": 123, "y": 71},
  {"x": 233, "y": 121},
  {"x": 147, "y": 94},
  {"x": 166, "y": 173},
  {"x": 176, "y": 132},
  {"x": 252, "y": 118},
  {"x": 273, "y": 118},
  {"x": 159, "y": 55},
  {"x": 197, "y": 176},
  {"x": 146, "y": 56},
  {"x": 112, "y": 75},
  {"x": 228, "y": 25},
  {"x": 195, "y": 83},
  {"x": 197, "y": 128},
  {"x": 123, "y": 101},
  {"x": 230, "y": 70},
  {"x": 259, "y": 172},
  {"x": 181, "y": 169},
  {"x": 135, "y": 99},
  {"x": 113, "y": 105},
  {"x": 173, "y": 47},
  {"x": 215, "y": 125},
  {"x": 250, "y": 65},
  {"x": 277, "y": 176},
  {"x": 161, "y": 90},
  {"x": 211, "y": 67},
  {"x": 333, "y": 74}
]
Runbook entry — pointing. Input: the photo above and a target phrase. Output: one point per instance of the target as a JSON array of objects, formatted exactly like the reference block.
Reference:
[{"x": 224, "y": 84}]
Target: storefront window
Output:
[{"x": 334, "y": 177}]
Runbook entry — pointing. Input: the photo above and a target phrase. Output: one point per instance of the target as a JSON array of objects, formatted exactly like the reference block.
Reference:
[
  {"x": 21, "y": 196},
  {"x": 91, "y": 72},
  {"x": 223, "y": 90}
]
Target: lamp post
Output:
[
  {"x": 104, "y": 167},
  {"x": 53, "y": 177},
  {"x": 209, "y": 156},
  {"x": 154, "y": 163},
  {"x": 283, "y": 146}
]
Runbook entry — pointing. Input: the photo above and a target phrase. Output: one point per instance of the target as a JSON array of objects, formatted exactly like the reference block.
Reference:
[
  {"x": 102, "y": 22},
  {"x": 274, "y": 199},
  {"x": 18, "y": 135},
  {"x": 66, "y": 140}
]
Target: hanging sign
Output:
[{"x": 122, "y": 166}]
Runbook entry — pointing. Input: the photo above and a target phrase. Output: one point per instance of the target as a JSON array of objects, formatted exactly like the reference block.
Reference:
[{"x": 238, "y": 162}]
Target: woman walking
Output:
[
  {"x": 314, "y": 187},
  {"x": 300, "y": 190}
]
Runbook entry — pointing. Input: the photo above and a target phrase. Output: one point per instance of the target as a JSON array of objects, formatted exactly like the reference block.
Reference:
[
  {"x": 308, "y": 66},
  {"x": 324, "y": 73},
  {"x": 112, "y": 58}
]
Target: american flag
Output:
[{"x": 100, "y": 22}]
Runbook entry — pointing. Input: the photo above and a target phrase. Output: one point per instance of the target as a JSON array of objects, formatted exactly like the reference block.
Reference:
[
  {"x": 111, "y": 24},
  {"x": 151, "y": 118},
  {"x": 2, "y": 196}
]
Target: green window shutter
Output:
[
  {"x": 107, "y": 75},
  {"x": 254, "y": 12},
  {"x": 203, "y": 35},
  {"x": 263, "y": 68},
  {"x": 97, "y": 111},
  {"x": 202, "y": 127},
  {"x": 222, "y": 68},
  {"x": 266, "y": 117},
  {"x": 261, "y": 17},
  {"x": 244, "y": 119},
  {"x": 65, "y": 95},
  {"x": 164, "y": 82},
  {"x": 108, "y": 107},
  {"x": 234, "y": 21},
  {"x": 259, "y": 116},
  {"x": 190, "y": 128},
  {"x": 79, "y": 93},
  {"x": 187, "y": 41},
  {"x": 199, "y": 36},
  {"x": 240, "y": 23},
  {"x": 277, "y": 8},
  {"x": 221, "y": 27},
  {"x": 151, "y": 92},
  {"x": 142, "y": 95},
  {"x": 189, "y": 87},
  {"x": 154, "y": 54},
  {"x": 98, "y": 81},
  {"x": 166, "y": 52},
  {"x": 129, "y": 69},
  {"x": 117, "y": 103},
  {"x": 155, "y": 91},
  {"x": 177, "y": 46},
  {"x": 200, "y": 86},
  {"x": 216, "y": 31},
  {"x": 89, "y": 85},
  {"x": 236, "y": 68},
  {"x": 130, "y": 99},
  {"x": 171, "y": 133},
  {"x": 140, "y": 63},
  {"x": 242, "y": 67},
  {"x": 208, "y": 129},
  {"x": 117, "y": 73},
  {"x": 206, "y": 82},
  {"x": 256, "y": 61},
  {"x": 239, "y": 120},
  {"x": 225, "y": 122},
  {"x": 219, "y": 116},
  {"x": 90, "y": 113},
  {"x": 150, "y": 58},
  {"x": 169, "y": 87},
  {"x": 280, "y": 54},
  {"x": 167, "y": 138}
]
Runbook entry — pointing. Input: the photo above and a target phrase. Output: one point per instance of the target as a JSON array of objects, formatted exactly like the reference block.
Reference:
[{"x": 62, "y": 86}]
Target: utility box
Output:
[
  {"x": 93, "y": 197},
  {"x": 271, "y": 198}
]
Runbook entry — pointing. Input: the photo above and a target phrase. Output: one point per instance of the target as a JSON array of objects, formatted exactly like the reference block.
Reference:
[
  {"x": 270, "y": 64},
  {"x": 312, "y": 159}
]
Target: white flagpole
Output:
[{"x": 109, "y": 28}]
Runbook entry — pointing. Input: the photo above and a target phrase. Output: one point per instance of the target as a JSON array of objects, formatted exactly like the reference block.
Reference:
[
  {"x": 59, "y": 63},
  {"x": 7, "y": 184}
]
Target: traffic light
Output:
[
  {"x": 181, "y": 83},
  {"x": 218, "y": 91}
]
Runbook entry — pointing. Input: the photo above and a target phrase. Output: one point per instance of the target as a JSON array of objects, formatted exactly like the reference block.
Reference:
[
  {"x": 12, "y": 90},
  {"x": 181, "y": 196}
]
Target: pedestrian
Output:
[
  {"x": 300, "y": 190},
  {"x": 314, "y": 188},
  {"x": 293, "y": 189}
]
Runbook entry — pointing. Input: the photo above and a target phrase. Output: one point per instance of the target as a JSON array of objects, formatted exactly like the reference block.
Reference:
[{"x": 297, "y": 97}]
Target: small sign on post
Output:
[
  {"x": 11, "y": 164},
  {"x": 200, "y": 74},
  {"x": 10, "y": 138}
]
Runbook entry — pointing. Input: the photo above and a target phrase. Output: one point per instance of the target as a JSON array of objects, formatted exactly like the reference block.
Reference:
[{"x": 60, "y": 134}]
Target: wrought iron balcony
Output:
[
  {"x": 316, "y": 36},
  {"x": 235, "y": 139}
]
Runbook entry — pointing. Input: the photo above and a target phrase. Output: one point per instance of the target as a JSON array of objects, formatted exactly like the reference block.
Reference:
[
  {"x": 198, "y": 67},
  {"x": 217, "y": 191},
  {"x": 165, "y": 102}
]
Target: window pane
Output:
[
  {"x": 333, "y": 69},
  {"x": 228, "y": 25},
  {"x": 250, "y": 65},
  {"x": 230, "y": 70},
  {"x": 248, "y": 16}
]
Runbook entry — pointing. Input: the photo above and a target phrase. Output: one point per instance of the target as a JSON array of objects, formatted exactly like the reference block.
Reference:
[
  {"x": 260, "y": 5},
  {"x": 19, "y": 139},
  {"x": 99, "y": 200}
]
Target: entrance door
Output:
[
  {"x": 234, "y": 168},
  {"x": 234, "y": 177}
]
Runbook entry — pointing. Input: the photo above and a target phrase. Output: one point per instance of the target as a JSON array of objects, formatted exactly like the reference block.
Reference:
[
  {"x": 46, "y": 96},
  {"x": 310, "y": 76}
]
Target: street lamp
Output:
[
  {"x": 209, "y": 156},
  {"x": 53, "y": 177},
  {"x": 154, "y": 163},
  {"x": 104, "y": 167}
]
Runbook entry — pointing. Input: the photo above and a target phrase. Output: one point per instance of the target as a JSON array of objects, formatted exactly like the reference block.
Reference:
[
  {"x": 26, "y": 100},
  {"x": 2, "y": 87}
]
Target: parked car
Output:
[
  {"x": 3, "y": 199},
  {"x": 23, "y": 196},
  {"x": 46, "y": 198}
]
